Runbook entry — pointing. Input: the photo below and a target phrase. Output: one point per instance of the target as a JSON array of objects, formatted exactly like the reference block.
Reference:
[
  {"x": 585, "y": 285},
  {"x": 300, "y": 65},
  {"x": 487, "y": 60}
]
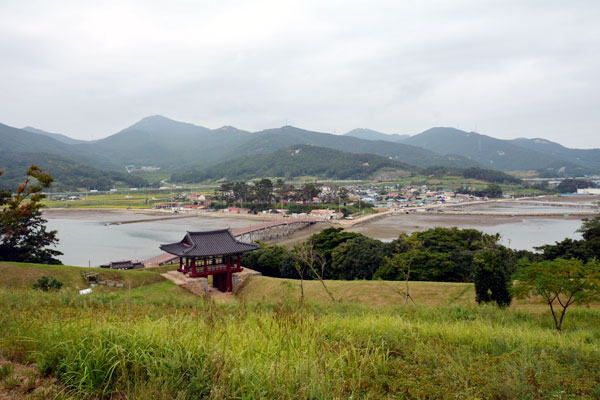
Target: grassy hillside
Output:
[
  {"x": 21, "y": 275},
  {"x": 369, "y": 293},
  {"x": 120, "y": 346}
]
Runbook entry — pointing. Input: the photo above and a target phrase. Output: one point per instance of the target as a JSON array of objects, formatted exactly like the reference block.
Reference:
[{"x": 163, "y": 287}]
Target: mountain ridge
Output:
[{"x": 174, "y": 146}]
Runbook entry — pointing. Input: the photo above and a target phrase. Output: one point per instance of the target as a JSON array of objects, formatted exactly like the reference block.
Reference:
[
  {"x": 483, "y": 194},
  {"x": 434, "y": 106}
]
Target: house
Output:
[
  {"x": 125, "y": 264},
  {"x": 197, "y": 197},
  {"x": 235, "y": 210},
  {"x": 326, "y": 214}
]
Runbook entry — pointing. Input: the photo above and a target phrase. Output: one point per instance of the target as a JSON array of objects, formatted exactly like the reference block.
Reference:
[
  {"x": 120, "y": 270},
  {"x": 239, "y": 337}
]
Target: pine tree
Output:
[{"x": 23, "y": 234}]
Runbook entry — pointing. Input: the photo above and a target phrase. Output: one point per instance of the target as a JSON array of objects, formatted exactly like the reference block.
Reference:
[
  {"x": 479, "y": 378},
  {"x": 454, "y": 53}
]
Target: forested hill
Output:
[
  {"x": 587, "y": 157},
  {"x": 296, "y": 161},
  {"x": 68, "y": 174},
  {"x": 58, "y": 136},
  {"x": 271, "y": 140},
  {"x": 177, "y": 147},
  {"x": 369, "y": 134},
  {"x": 493, "y": 153}
]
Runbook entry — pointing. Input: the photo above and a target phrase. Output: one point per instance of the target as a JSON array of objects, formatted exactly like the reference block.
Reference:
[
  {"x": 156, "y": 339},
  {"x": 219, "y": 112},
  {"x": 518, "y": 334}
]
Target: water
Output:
[
  {"x": 86, "y": 241},
  {"x": 529, "y": 233},
  {"x": 522, "y": 208},
  {"x": 519, "y": 233}
]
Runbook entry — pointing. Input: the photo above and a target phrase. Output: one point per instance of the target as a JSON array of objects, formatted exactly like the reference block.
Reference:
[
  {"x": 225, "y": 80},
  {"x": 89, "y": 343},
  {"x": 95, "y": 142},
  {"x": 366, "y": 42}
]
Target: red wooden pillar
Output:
[
  {"x": 205, "y": 267},
  {"x": 193, "y": 266},
  {"x": 239, "y": 261},
  {"x": 180, "y": 263},
  {"x": 229, "y": 281}
]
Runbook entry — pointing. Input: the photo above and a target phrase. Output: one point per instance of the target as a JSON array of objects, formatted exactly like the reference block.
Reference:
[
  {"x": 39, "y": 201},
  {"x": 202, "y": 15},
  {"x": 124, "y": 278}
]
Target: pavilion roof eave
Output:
[{"x": 208, "y": 244}]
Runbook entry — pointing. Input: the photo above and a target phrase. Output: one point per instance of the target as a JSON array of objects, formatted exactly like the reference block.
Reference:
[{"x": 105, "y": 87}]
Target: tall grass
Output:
[{"x": 119, "y": 346}]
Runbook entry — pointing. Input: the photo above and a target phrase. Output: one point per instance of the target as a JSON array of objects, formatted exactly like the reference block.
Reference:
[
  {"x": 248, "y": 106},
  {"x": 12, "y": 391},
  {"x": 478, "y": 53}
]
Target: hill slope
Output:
[
  {"x": 369, "y": 134},
  {"x": 272, "y": 140},
  {"x": 68, "y": 174},
  {"x": 13, "y": 140},
  {"x": 491, "y": 152},
  {"x": 168, "y": 144},
  {"x": 58, "y": 136},
  {"x": 586, "y": 157},
  {"x": 296, "y": 161}
]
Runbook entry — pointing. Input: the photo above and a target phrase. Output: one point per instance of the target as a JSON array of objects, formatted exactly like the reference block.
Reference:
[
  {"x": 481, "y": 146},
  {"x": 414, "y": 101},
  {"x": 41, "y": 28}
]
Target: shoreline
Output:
[{"x": 476, "y": 218}]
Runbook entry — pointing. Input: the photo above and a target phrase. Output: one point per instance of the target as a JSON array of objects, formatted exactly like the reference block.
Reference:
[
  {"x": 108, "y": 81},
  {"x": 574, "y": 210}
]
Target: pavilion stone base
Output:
[{"x": 198, "y": 286}]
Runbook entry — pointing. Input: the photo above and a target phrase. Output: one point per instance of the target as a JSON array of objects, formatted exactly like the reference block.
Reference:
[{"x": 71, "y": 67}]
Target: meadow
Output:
[{"x": 155, "y": 340}]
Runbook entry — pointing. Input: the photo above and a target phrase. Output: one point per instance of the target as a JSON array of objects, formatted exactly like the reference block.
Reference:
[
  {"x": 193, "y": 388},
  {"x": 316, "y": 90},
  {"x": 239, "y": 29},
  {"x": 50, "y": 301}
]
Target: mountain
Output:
[
  {"x": 168, "y": 144},
  {"x": 68, "y": 174},
  {"x": 175, "y": 146},
  {"x": 587, "y": 157},
  {"x": 271, "y": 140},
  {"x": 58, "y": 136},
  {"x": 296, "y": 161},
  {"x": 13, "y": 140},
  {"x": 369, "y": 134},
  {"x": 492, "y": 153}
]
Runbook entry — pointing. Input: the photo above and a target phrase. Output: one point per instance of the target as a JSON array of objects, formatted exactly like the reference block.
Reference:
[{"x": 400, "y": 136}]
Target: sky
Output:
[{"x": 506, "y": 68}]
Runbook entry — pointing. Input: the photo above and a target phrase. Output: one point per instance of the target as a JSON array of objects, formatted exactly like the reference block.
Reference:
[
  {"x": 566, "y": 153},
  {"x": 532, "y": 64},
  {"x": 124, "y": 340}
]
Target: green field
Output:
[
  {"x": 132, "y": 199},
  {"x": 155, "y": 340}
]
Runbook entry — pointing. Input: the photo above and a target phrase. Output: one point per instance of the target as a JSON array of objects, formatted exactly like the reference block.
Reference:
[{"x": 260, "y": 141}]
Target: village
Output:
[{"x": 365, "y": 198}]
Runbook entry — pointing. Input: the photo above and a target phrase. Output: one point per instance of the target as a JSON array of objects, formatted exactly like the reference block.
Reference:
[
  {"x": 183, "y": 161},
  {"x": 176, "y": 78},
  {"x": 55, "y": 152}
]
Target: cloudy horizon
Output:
[{"x": 506, "y": 69}]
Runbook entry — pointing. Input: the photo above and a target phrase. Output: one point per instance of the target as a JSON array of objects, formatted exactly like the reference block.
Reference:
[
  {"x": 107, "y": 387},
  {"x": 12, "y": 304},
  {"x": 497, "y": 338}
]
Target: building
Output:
[
  {"x": 588, "y": 191},
  {"x": 215, "y": 253},
  {"x": 125, "y": 264}
]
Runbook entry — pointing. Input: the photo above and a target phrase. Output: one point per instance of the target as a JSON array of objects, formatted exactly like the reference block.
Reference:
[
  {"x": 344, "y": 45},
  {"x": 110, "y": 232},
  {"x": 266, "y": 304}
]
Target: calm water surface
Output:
[{"x": 85, "y": 240}]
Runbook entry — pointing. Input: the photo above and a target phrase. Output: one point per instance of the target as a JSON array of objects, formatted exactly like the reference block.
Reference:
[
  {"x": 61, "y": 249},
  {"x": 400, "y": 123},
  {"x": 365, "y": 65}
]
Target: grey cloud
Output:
[{"x": 507, "y": 68}]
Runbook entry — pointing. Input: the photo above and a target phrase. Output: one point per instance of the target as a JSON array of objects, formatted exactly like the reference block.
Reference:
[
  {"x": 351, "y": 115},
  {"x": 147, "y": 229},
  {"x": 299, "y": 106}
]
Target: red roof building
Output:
[{"x": 215, "y": 253}]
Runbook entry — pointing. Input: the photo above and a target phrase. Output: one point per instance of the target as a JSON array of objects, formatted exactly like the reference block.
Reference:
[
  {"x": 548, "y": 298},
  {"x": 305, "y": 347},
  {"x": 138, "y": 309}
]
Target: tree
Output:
[
  {"x": 560, "y": 283},
  {"x": 571, "y": 185},
  {"x": 23, "y": 234},
  {"x": 491, "y": 276},
  {"x": 326, "y": 241},
  {"x": 315, "y": 263},
  {"x": 408, "y": 248},
  {"x": 590, "y": 229},
  {"x": 310, "y": 190},
  {"x": 493, "y": 190},
  {"x": 264, "y": 190},
  {"x": 358, "y": 258},
  {"x": 585, "y": 249}
]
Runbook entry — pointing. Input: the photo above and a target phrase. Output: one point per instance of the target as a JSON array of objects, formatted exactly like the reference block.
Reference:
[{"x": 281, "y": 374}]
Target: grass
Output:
[
  {"x": 154, "y": 341},
  {"x": 370, "y": 293},
  {"x": 22, "y": 275}
]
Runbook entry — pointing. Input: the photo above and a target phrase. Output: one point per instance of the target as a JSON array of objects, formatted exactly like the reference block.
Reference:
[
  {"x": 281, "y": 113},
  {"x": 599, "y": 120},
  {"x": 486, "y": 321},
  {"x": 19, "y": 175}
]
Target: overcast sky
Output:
[{"x": 504, "y": 68}]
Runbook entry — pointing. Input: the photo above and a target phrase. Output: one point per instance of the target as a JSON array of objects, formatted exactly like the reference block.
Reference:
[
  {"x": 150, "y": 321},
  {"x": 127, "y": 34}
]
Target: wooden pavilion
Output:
[{"x": 215, "y": 253}]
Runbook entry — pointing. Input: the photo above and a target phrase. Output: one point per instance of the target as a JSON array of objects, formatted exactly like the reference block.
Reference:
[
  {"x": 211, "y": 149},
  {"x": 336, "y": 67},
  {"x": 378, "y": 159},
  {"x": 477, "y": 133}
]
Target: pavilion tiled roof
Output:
[{"x": 208, "y": 243}]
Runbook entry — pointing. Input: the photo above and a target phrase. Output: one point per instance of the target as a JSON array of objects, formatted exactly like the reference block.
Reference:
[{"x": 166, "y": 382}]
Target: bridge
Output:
[{"x": 264, "y": 231}]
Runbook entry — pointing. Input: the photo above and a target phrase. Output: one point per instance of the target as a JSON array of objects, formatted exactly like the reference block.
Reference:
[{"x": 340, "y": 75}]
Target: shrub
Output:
[{"x": 48, "y": 283}]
